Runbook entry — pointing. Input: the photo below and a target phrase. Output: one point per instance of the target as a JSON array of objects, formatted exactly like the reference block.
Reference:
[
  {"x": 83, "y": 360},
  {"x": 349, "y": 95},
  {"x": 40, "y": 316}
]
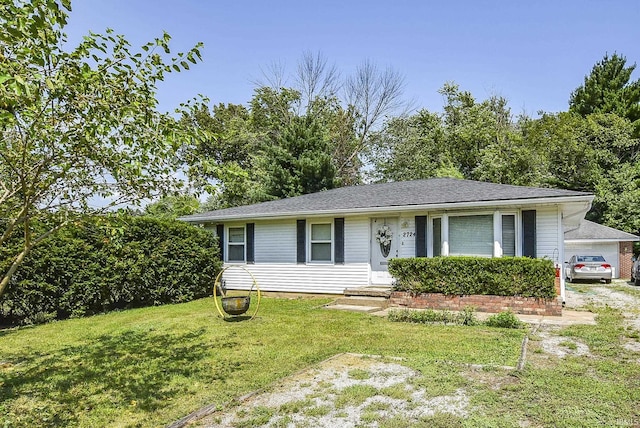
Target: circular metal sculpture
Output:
[{"x": 235, "y": 305}]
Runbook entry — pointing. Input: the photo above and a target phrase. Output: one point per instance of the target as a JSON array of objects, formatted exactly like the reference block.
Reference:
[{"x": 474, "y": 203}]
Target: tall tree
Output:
[
  {"x": 473, "y": 126},
  {"x": 269, "y": 150},
  {"x": 222, "y": 154},
  {"x": 451, "y": 143},
  {"x": 372, "y": 93},
  {"x": 363, "y": 100},
  {"x": 78, "y": 125},
  {"x": 514, "y": 159},
  {"x": 299, "y": 162},
  {"x": 561, "y": 142},
  {"x": 609, "y": 89},
  {"x": 617, "y": 201},
  {"x": 315, "y": 78},
  {"x": 409, "y": 148}
]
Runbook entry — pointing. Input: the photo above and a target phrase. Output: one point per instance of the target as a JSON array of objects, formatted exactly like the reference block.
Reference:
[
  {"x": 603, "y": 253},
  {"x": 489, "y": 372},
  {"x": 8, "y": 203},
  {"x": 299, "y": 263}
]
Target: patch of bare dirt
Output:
[{"x": 348, "y": 390}]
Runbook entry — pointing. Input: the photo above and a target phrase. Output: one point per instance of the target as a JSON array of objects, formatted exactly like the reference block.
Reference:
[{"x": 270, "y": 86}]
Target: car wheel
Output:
[{"x": 607, "y": 281}]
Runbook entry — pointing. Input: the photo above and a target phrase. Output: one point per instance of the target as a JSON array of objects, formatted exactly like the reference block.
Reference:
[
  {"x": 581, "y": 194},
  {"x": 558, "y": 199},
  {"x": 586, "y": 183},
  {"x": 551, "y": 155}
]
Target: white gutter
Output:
[
  {"x": 400, "y": 208},
  {"x": 582, "y": 241}
]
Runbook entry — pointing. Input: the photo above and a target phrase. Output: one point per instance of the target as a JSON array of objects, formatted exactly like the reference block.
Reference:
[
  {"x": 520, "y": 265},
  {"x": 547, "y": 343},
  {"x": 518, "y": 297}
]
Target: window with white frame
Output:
[
  {"x": 471, "y": 235},
  {"x": 321, "y": 242},
  {"x": 235, "y": 245}
]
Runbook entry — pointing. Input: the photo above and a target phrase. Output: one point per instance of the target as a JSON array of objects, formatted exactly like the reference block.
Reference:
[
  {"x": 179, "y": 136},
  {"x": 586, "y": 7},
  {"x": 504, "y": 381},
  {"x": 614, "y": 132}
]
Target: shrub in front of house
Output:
[
  {"x": 506, "y": 319},
  {"x": 428, "y": 316},
  {"x": 504, "y": 276},
  {"x": 110, "y": 263}
]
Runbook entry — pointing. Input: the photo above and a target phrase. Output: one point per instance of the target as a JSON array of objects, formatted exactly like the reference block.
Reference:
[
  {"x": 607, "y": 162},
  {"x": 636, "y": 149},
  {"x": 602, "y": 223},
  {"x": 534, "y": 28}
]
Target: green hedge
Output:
[
  {"x": 505, "y": 276},
  {"x": 111, "y": 263}
]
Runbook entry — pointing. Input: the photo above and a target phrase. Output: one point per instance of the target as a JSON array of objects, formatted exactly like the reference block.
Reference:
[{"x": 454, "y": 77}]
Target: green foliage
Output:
[
  {"x": 451, "y": 144},
  {"x": 504, "y": 319},
  {"x": 505, "y": 276},
  {"x": 271, "y": 151},
  {"x": 173, "y": 206},
  {"x": 429, "y": 316},
  {"x": 78, "y": 125},
  {"x": 617, "y": 199},
  {"x": 466, "y": 317},
  {"x": 299, "y": 163},
  {"x": 609, "y": 89},
  {"x": 292, "y": 140},
  {"x": 103, "y": 264},
  {"x": 409, "y": 148}
]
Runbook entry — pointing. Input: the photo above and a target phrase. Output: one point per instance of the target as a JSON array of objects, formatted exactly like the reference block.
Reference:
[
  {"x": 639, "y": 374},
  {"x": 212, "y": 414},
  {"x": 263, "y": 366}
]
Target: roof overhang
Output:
[{"x": 574, "y": 208}]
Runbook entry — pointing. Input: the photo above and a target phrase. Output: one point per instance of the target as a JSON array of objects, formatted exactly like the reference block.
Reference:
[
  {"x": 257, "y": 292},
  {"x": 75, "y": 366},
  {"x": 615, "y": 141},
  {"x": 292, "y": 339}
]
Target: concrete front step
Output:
[
  {"x": 378, "y": 302},
  {"x": 354, "y": 308},
  {"x": 371, "y": 291}
]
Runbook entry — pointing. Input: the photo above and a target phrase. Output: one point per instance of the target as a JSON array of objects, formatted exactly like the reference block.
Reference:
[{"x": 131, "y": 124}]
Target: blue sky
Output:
[{"x": 534, "y": 53}]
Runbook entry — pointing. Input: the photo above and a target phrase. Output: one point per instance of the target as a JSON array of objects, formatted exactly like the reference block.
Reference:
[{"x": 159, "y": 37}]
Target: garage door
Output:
[{"x": 608, "y": 250}]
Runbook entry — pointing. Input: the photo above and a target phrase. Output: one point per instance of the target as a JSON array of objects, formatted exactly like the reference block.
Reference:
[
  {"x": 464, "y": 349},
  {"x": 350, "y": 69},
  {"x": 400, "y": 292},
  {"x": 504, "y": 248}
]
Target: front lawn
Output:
[{"x": 151, "y": 366}]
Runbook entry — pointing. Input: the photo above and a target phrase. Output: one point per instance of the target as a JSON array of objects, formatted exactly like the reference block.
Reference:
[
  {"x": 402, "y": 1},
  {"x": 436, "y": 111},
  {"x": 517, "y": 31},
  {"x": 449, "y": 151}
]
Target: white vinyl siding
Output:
[
  {"x": 407, "y": 237},
  {"x": 356, "y": 239},
  {"x": 465, "y": 232},
  {"x": 547, "y": 233},
  {"x": 300, "y": 278},
  {"x": 471, "y": 235},
  {"x": 275, "y": 241}
]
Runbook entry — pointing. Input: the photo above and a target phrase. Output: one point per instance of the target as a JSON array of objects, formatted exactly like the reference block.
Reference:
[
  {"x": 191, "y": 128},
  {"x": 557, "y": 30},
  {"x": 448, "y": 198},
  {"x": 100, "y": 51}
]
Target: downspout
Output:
[{"x": 560, "y": 262}]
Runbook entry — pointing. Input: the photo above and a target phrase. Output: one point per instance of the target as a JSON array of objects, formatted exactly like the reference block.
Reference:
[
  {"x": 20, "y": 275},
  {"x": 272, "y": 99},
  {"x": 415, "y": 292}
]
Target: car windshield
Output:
[{"x": 589, "y": 259}]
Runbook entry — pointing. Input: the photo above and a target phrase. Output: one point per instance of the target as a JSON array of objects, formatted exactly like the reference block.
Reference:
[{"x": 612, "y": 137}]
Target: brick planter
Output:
[{"x": 481, "y": 303}]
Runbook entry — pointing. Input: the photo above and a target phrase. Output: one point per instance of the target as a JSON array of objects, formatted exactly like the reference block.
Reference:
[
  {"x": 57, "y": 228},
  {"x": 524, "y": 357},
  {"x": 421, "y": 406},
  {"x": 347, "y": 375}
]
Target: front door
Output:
[{"x": 384, "y": 246}]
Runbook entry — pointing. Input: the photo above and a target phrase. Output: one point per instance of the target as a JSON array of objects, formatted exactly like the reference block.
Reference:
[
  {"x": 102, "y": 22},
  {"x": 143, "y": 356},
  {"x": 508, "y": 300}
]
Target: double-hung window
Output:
[
  {"x": 236, "y": 245},
  {"x": 321, "y": 242},
  {"x": 436, "y": 234},
  {"x": 509, "y": 235}
]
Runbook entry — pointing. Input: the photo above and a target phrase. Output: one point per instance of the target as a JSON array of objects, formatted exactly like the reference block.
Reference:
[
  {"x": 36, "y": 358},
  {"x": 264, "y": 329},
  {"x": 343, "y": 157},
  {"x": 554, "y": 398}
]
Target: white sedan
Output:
[{"x": 588, "y": 267}]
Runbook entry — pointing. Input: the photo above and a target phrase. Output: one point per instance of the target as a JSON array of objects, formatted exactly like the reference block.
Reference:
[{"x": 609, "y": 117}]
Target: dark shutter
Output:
[
  {"x": 529, "y": 233},
  {"x": 220, "y": 233},
  {"x": 250, "y": 242},
  {"x": 301, "y": 243},
  {"x": 338, "y": 256},
  {"x": 421, "y": 236}
]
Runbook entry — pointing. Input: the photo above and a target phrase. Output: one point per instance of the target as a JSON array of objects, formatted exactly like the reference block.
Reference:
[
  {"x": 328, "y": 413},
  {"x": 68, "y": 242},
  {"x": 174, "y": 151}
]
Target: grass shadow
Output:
[
  {"x": 132, "y": 367},
  {"x": 237, "y": 318}
]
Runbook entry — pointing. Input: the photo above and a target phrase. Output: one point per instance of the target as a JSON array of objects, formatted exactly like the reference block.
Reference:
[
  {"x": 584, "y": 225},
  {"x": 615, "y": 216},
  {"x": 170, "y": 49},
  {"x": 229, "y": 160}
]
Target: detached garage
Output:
[{"x": 592, "y": 238}]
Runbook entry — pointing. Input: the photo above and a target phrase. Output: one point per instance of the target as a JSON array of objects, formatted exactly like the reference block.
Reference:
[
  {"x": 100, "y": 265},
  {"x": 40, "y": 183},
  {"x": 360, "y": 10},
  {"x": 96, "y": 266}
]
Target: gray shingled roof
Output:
[
  {"x": 401, "y": 194},
  {"x": 591, "y": 231}
]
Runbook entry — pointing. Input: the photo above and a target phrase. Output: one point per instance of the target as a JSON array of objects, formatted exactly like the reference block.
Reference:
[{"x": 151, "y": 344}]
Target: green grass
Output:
[
  {"x": 602, "y": 389},
  {"x": 151, "y": 366},
  {"x": 354, "y": 395},
  {"x": 359, "y": 374}
]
